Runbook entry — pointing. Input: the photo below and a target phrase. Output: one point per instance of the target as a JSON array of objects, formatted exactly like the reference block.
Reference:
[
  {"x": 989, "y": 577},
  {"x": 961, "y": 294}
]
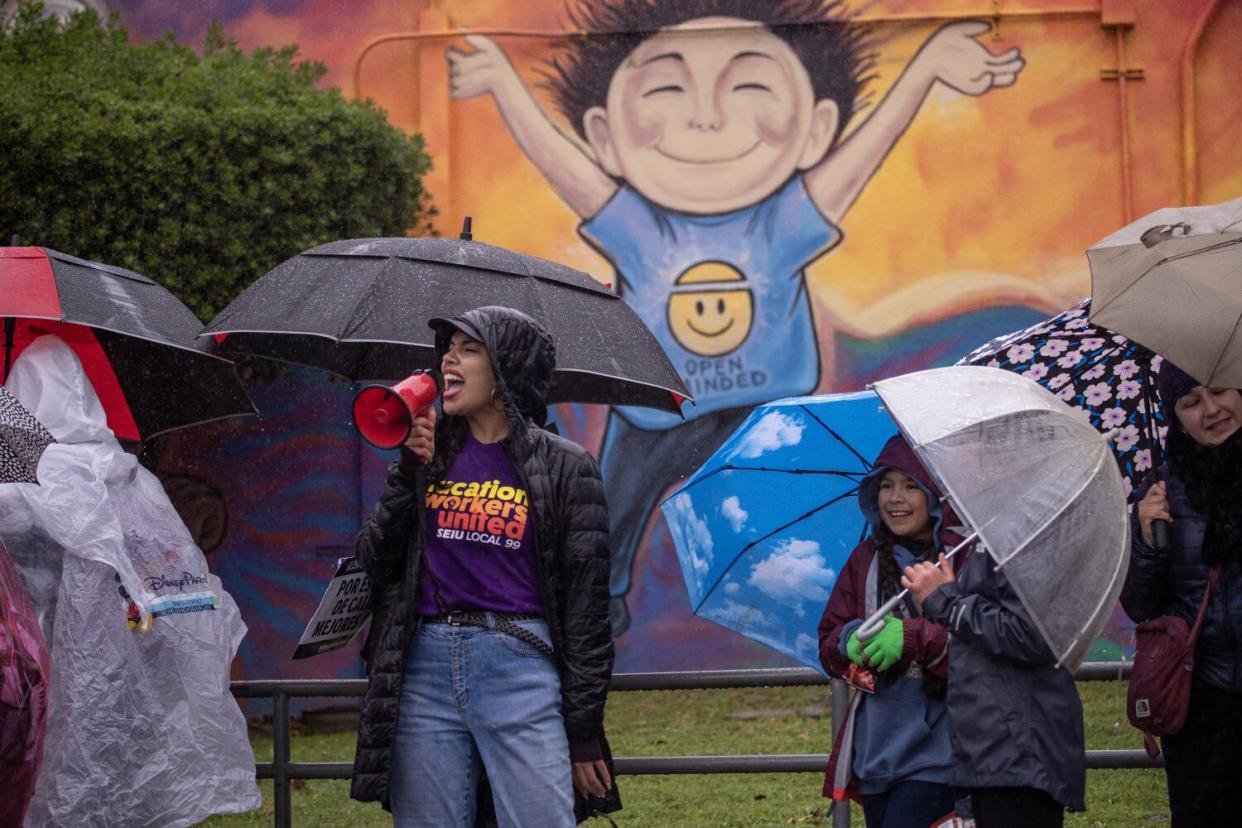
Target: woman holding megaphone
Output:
[{"x": 496, "y": 656}]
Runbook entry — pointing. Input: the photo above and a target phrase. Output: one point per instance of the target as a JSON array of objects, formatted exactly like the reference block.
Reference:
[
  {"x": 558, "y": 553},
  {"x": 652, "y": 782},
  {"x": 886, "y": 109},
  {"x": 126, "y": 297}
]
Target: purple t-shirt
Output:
[{"x": 478, "y": 537}]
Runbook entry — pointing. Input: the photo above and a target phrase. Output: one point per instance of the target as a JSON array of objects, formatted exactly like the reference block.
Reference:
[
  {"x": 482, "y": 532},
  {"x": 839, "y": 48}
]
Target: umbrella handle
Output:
[
  {"x": 872, "y": 626},
  {"x": 1160, "y": 534}
]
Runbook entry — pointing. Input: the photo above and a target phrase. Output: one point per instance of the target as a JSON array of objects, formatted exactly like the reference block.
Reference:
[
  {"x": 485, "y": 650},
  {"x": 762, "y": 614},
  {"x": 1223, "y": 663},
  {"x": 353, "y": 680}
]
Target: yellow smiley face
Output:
[{"x": 715, "y": 320}]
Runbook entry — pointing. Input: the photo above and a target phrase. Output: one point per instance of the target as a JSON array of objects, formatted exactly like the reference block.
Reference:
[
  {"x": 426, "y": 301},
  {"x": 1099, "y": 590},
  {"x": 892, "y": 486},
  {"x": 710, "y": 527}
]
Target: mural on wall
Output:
[
  {"x": 712, "y": 174},
  {"x": 706, "y": 157}
]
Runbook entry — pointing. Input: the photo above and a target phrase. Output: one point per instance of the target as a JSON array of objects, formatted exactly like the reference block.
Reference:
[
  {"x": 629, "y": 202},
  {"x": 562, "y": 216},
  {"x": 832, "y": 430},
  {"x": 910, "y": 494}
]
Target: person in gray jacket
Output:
[{"x": 1015, "y": 720}]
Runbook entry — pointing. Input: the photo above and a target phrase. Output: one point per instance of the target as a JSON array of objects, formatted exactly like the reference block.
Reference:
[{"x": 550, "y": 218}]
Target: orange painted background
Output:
[{"x": 1007, "y": 189}]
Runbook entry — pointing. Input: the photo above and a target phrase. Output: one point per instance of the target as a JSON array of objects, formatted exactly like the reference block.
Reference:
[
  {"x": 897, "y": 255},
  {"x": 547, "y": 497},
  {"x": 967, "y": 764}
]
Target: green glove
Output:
[
  {"x": 884, "y": 650},
  {"x": 853, "y": 649}
]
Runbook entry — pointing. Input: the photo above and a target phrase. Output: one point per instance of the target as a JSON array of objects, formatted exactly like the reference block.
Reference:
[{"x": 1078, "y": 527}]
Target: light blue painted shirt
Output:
[{"x": 758, "y": 255}]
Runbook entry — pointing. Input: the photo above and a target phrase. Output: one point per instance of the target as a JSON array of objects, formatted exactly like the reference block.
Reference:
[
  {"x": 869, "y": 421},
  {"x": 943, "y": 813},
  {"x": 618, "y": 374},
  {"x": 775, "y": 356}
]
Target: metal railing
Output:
[{"x": 283, "y": 771}]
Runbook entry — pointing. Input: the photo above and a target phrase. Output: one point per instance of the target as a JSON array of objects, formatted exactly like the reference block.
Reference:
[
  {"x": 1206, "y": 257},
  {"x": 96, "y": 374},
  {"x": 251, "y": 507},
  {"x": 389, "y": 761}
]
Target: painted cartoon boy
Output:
[{"x": 711, "y": 174}]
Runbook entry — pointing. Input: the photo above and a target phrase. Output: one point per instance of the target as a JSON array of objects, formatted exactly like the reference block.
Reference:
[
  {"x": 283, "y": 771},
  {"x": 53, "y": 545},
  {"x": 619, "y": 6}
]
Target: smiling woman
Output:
[
  {"x": 1200, "y": 494},
  {"x": 902, "y": 503},
  {"x": 1210, "y": 416}
]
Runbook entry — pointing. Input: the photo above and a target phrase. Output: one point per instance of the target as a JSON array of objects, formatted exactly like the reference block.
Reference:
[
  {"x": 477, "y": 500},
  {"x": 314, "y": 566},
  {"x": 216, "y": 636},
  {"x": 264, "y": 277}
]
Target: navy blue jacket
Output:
[{"x": 1172, "y": 583}]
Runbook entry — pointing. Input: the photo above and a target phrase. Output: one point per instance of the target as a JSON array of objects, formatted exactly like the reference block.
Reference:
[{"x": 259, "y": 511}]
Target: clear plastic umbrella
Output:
[{"x": 1034, "y": 480}]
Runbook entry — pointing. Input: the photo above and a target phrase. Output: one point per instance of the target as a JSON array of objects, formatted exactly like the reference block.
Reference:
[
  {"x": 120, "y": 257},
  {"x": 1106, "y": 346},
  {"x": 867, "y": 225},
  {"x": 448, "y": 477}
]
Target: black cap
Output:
[{"x": 445, "y": 327}]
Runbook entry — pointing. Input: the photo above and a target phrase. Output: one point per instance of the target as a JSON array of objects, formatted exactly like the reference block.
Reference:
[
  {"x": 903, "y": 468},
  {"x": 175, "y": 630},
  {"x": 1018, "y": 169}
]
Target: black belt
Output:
[{"x": 502, "y": 622}]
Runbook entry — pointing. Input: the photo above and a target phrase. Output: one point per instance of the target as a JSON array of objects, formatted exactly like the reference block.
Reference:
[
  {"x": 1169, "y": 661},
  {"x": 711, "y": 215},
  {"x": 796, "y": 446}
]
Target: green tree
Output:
[{"x": 199, "y": 171}]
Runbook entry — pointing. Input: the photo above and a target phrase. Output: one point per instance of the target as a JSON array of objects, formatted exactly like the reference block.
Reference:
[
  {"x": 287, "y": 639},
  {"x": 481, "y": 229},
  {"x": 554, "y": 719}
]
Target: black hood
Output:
[{"x": 523, "y": 357}]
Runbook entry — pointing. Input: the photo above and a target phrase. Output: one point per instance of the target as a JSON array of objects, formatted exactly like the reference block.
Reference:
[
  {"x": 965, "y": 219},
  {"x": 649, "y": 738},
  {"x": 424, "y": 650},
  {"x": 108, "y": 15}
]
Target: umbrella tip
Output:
[
  {"x": 1152, "y": 236},
  {"x": 466, "y": 235}
]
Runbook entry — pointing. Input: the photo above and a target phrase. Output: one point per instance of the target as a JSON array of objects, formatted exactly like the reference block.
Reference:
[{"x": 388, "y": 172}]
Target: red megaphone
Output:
[{"x": 384, "y": 416}]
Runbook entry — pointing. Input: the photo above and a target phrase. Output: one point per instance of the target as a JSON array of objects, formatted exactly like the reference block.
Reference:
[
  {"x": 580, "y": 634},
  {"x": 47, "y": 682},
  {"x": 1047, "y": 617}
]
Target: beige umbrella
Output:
[{"x": 1172, "y": 281}]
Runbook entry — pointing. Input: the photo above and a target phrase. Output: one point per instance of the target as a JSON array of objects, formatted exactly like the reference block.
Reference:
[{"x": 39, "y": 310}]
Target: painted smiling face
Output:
[
  {"x": 903, "y": 506},
  {"x": 710, "y": 116},
  {"x": 714, "y": 320}
]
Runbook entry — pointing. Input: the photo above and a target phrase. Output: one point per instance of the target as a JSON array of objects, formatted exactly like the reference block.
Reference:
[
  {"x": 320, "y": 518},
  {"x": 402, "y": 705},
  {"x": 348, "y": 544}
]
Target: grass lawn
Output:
[{"x": 778, "y": 720}]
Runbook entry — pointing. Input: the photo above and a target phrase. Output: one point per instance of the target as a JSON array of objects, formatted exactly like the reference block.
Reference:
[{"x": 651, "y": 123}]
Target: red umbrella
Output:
[{"x": 135, "y": 339}]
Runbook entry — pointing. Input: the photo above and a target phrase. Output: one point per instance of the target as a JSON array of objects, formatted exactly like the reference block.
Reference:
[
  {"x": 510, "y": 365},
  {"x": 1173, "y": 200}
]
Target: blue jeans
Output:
[
  {"x": 472, "y": 699},
  {"x": 910, "y": 804}
]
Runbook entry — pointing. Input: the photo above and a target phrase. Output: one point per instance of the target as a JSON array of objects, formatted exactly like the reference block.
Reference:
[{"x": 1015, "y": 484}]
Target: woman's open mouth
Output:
[{"x": 453, "y": 384}]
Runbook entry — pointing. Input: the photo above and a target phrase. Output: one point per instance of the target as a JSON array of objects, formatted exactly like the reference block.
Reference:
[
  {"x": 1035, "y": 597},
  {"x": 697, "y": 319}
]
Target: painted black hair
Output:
[{"x": 837, "y": 54}]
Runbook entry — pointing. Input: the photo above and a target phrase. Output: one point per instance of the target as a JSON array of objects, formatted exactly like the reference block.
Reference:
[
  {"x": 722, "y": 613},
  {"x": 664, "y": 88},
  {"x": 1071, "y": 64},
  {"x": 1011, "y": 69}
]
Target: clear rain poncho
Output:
[{"x": 142, "y": 729}]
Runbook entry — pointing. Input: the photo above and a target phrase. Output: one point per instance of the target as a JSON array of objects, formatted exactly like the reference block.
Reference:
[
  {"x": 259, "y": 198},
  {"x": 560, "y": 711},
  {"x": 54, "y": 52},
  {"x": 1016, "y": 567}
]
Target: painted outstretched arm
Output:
[
  {"x": 565, "y": 162},
  {"x": 951, "y": 56}
]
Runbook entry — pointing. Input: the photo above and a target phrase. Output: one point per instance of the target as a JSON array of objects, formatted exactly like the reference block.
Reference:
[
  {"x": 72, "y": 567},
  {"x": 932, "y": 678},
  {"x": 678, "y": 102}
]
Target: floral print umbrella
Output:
[{"x": 1104, "y": 374}]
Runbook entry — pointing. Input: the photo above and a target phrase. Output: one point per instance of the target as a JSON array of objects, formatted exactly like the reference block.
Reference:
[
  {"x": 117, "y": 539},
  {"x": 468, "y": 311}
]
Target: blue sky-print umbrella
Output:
[
  {"x": 763, "y": 528},
  {"x": 1109, "y": 377}
]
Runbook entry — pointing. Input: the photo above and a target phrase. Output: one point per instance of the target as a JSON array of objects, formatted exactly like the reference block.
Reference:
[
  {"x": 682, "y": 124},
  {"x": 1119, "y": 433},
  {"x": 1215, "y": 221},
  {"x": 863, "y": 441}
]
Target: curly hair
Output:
[
  {"x": 836, "y": 53},
  {"x": 1213, "y": 480}
]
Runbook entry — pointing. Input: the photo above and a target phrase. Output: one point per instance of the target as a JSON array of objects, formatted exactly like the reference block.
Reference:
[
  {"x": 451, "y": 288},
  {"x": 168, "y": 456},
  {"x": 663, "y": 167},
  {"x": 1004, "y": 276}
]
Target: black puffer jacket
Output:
[
  {"x": 1171, "y": 582},
  {"x": 570, "y": 525}
]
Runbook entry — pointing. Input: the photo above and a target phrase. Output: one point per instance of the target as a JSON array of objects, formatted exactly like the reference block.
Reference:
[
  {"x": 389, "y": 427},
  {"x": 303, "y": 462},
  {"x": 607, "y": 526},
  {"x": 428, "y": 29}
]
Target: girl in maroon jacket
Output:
[{"x": 893, "y": 749}]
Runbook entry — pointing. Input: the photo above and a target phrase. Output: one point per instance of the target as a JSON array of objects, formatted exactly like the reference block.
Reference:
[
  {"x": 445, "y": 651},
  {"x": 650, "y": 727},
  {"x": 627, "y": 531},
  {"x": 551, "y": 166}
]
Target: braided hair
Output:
[
  {"x": 1212, "y": 477},
  {"x": 889, "y": 584},
  {"x": 886, "y": 561}
]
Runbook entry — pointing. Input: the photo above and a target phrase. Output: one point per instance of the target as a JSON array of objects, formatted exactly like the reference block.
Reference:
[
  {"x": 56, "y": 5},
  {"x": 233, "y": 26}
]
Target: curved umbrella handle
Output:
[{"x": 872, "y": 626}]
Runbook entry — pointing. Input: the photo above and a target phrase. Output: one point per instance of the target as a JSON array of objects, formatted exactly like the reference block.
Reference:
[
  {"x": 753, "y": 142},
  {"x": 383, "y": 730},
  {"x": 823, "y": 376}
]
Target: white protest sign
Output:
[{"x": 344, "y": 609}]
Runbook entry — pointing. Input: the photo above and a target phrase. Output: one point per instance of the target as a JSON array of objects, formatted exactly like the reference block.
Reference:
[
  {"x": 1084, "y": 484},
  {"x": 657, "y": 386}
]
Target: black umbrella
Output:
[
  {"x": 359, "y": 308},
  {"x": 136, "y": 341},
  {"x": 22, "y": 441}
]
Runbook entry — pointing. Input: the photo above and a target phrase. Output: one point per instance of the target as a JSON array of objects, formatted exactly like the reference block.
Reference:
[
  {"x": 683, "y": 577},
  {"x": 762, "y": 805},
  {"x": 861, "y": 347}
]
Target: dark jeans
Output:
[
  {"x": 637, "y": 467},
  {"x": 909, "y": 805},
  {"x": 1015, "y": 808},
  {"x": 1203, "y": 762}
]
